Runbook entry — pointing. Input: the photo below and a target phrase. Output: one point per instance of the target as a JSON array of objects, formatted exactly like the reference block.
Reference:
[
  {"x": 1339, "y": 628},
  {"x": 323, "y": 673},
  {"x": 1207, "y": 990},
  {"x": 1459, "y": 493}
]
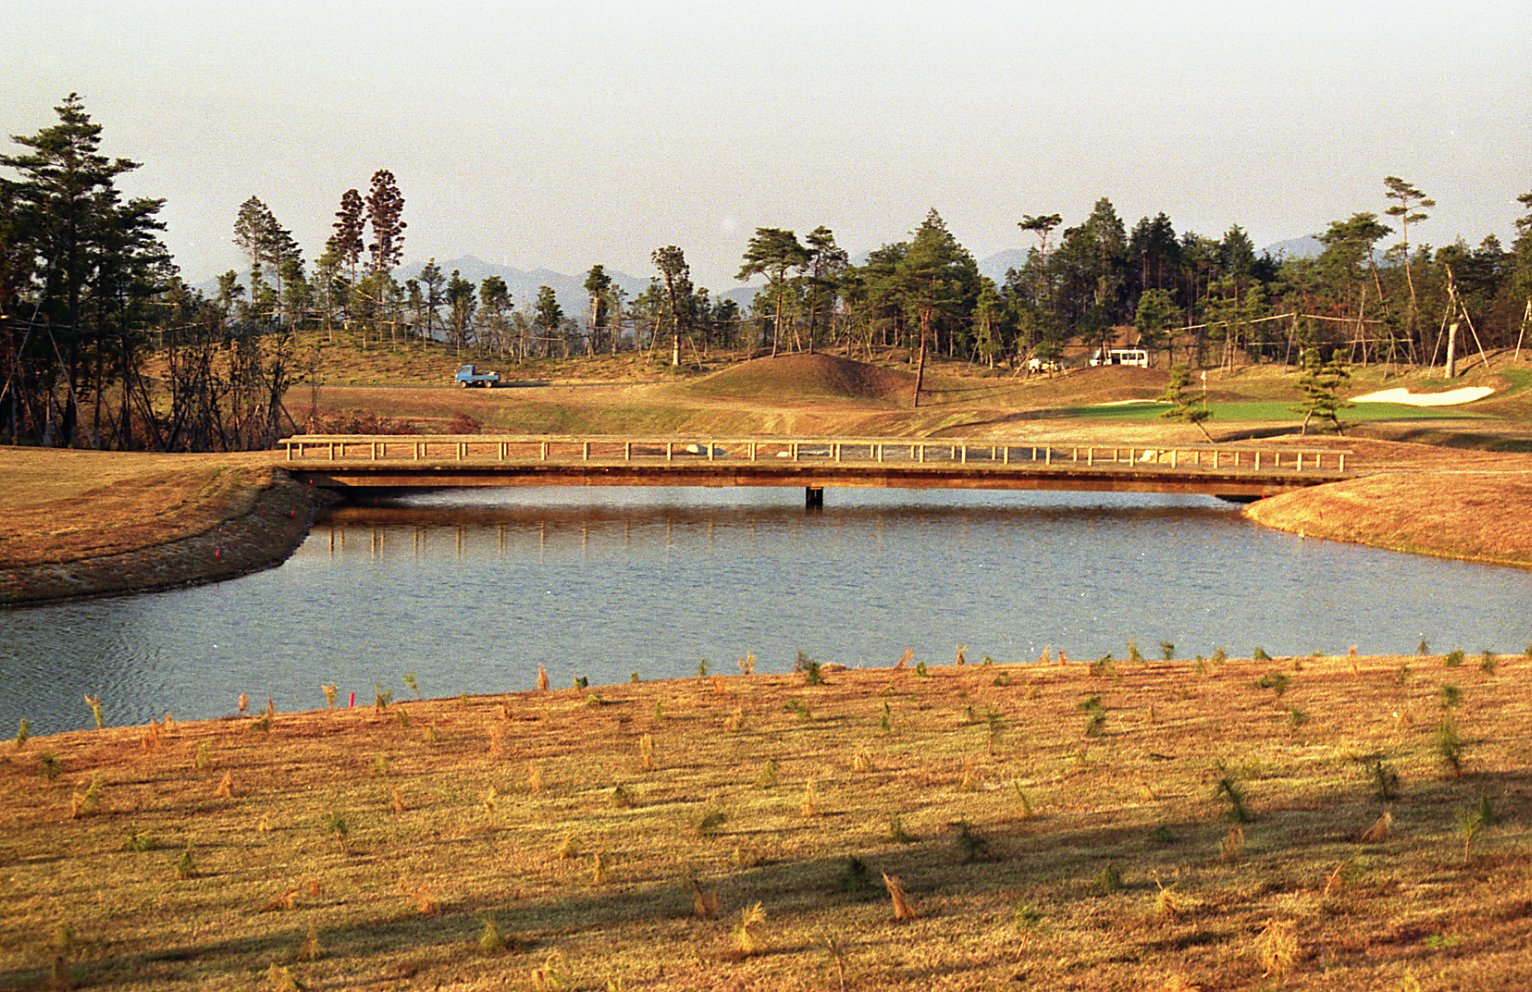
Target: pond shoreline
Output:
[
  {"x": 263, "y": 533},
  {"x": 1466, "y": 521}
]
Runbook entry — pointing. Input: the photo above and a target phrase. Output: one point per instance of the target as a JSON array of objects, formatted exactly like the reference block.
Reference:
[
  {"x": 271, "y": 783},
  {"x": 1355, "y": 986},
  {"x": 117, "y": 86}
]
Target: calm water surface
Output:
[{"x": 472, "y": 590}]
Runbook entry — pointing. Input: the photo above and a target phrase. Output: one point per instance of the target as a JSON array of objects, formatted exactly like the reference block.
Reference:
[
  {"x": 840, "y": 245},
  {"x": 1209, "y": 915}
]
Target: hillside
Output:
[{"x": 1143, "y": 825}]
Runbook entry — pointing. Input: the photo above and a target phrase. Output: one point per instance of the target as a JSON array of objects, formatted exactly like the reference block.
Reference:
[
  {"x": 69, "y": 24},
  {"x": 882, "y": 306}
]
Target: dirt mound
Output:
[{"x": 789, "y": 377}]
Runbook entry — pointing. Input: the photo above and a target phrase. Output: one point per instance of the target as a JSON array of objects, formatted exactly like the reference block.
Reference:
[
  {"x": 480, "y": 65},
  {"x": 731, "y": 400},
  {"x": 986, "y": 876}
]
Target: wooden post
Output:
[
  {"x": 585, "y": 457},
  {"x": 813, "y": 498},
  {"x": 627, "y": 451}
]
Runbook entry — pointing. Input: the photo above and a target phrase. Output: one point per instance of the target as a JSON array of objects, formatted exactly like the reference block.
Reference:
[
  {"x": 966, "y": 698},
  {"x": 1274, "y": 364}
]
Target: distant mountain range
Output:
[{"x": 1308, "y": 246}]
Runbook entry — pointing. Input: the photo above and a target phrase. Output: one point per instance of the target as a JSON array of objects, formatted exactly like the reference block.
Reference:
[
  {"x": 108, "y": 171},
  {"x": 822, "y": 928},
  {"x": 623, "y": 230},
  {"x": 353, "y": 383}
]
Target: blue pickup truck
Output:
[{"x": 469, "y": 375}]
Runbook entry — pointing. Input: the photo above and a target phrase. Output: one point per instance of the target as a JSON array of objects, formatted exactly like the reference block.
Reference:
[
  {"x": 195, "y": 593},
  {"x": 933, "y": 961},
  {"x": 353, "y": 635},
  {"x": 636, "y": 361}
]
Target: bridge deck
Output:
[{"x": 442, "y": 461}]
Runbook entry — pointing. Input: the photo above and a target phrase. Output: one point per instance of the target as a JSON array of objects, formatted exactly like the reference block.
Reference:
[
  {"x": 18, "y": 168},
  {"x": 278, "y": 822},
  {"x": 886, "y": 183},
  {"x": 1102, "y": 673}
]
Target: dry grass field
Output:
[
  {"x": 61, "y": 505},
  {"x": 1282, "y": 823}
]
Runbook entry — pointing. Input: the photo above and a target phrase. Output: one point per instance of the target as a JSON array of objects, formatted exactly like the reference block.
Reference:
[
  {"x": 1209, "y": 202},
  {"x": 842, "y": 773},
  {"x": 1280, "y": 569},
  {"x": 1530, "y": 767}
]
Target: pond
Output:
[{"x": 471, "y": 590}]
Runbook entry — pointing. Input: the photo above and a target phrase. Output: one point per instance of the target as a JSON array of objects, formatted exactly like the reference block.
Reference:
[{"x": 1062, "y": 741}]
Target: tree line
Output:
[{"x": 89, "y": 293}]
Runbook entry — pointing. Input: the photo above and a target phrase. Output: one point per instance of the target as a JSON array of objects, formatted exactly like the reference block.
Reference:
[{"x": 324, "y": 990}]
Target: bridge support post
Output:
[{"x": 813, "y": 498}]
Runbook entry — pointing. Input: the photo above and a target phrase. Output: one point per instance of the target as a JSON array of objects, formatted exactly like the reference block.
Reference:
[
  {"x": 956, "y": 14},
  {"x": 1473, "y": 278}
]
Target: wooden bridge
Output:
[{"x": 374, "y": 462}]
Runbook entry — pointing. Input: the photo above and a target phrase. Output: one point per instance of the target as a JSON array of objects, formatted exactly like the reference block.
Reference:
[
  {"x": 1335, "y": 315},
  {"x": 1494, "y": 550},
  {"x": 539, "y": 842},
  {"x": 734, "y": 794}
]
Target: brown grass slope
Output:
[
  {"x": 80, "y": 523},
  {"x": 1481, "y": 515},
  {"x": 789, "y": 378},
  {"x": 367, "y": 848}
]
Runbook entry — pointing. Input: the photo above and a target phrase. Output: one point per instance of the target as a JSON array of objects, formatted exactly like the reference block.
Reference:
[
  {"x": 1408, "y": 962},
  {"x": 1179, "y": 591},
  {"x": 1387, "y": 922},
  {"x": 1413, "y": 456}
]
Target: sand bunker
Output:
[{"x": 1452, "y": 397}]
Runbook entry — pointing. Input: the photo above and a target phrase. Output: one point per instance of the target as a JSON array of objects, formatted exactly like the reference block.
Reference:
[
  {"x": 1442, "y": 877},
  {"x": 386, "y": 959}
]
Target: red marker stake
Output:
[{"x": 352, "y": 704}]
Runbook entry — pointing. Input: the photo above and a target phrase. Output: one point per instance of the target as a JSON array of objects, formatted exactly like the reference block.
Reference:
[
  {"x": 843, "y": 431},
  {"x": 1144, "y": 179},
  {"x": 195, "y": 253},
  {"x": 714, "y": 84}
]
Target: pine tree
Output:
[
  {"x": 773, "y": 252},
  {"x": 599, "y": 285},
  {"x": 676, "y": 274},
  {"x": 385, "y": 215},
  {"x": 1185, "y": 405},
  {"x": 97, "y": 261},
  {"x": 935, "y": 277},
  {"x": 1320, "y": 384}
]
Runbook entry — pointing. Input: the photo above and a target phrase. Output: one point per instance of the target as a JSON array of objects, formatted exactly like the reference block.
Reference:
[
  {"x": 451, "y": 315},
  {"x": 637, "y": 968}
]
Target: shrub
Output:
[
  {"x": 1133, "y": 654},
  {"x": 1228, "y": 789},
  {"x": 138, "y": 841},
  {"x": 702, "y": 669},
  {"x": 1103, "y": 666},
  {"x": 381, "y": 697},
  {"x": 1259, "y": 654},
  {"x": 94, "y": 702},
  {"x": 1296, "y": 717},
  {"x": 1454, "y": 659},
  {"x": 813, "y": 671},
  {"x": 186, "y": 867},
  {"x": 1023, "y": 801},
  {"x": 49, "y": 766},
  {"x": 1231, "y": 843},
  {"x": 1109, "y": 879},
  {"x": 1219, "y": 656},
  {"x": 88, "y": 801},
  {"x": 799, "y": 709},
  {"x": 23, "y": 731},
  {"x": 709, "y": 822},
  {"x": 896, "y": 831},
  {"x": 1095, "y": 716},
  {"x": 646, "y": 752},
  {"x": 767, "y": 777},
  {"x": 1450, "y": 696},
  {"x": 886, "y": 722},
  {"x": 1385, "y": 781},
  {"x": 746, "y": 664},
  {"x": 1277, "y": 949},
  {"x": 1275, "y": 681},
  {"x": 904, "y": 910},
  {"x": 1167, "y": 650},
  {"x": 336, "y": 826},
  {"x": 855, "y": 879},
  {"x": 1449, "y": 746},
  {"x": 921, "y": 671},
  {"x": 746, "y": 942},
  {"x": 809, "y": 805},
  {"x": 970, "y": 846},
  {"x": 1167, "y": 905},
  {"x": 330, "y": 690},
  {"x": 1488, "y": 663},
  {"x": 491, "y": 941},
  {"x": 995, "y": 723}
]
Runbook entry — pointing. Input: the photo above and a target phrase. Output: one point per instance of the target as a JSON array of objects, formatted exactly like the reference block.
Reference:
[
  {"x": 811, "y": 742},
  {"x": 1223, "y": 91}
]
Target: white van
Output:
[{"x": 1136, "y": 357}]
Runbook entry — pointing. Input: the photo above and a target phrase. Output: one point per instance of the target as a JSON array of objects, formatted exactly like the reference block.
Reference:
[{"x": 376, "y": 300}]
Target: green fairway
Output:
[{"x": 1264, "y": 410}]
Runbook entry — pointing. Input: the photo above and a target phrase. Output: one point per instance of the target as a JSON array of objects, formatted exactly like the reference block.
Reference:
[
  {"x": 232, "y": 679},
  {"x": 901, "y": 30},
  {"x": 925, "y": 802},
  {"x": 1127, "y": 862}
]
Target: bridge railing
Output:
[{"x": 690, "y": 449}]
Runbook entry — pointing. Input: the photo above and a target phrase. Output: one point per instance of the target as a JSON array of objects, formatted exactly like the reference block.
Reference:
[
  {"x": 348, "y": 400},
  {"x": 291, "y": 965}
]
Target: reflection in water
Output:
[{"x": 473, "y": 590}]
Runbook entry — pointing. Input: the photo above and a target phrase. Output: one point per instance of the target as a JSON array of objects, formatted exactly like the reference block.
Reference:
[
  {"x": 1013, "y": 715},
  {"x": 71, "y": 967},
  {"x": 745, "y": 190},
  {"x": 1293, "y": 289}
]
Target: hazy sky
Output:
[{"x": 566, "y": 133}]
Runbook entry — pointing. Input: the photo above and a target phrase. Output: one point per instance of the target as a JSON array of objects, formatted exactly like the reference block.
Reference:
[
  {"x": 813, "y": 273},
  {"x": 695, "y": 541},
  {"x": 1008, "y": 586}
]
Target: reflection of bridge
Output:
[{"x": 363, "y": 462}]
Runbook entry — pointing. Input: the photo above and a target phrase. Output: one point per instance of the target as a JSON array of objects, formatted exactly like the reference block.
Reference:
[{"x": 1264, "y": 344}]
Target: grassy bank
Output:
[
  {"x": 1154, "y": 825},
  {"x": 1476, "y": 515},
  {"x": 79, "y": 523}
]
